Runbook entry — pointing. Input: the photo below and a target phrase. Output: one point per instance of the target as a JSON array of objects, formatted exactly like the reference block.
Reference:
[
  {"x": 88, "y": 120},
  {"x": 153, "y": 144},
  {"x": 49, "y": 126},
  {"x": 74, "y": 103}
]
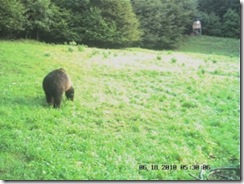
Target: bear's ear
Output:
[{"x": 62, "y": 70}]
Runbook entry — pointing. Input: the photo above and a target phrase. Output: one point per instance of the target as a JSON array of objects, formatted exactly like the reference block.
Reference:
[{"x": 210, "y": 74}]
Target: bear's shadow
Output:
[{"x": 30, "y": 101}]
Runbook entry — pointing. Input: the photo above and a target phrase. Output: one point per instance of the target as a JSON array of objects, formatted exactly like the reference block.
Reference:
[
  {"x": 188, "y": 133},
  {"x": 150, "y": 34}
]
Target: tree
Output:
[
  {"x": 105, "y": 23},
  {"x": 163, "y": 22},
  {"x": 231, "y": 24},
  {"x": 73, "y": 14},
  {"x": 38, "y": 17},
  {"x": 218, "y": 7},
  {"x": 59, "y": 29},
  {"x": 95, "y": 30},
  {"x": 220, "y": 18},
  {"x": 122, "y": 26},
  {"x": 11, "y": 18},
  {"x": 150, "y": 18},
  {"x": 211, "y": 24}
]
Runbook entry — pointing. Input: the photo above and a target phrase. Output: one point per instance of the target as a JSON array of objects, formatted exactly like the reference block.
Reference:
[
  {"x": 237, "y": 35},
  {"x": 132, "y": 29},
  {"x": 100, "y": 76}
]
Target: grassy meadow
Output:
[{"x": 133, "y": 108}]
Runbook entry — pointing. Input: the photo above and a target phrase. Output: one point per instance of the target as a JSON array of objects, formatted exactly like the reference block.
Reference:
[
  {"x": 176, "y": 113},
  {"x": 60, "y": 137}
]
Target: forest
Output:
[{"x": 157, "y": 24}]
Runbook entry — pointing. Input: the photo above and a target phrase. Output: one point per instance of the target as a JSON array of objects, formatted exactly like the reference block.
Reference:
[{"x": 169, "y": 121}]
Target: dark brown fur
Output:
[{"x": 55, "y": 84}]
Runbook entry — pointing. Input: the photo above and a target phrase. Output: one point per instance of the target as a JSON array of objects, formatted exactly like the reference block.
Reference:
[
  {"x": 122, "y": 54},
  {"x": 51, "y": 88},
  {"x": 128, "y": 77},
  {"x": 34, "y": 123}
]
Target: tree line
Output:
[{"x": 157, "y": 24}]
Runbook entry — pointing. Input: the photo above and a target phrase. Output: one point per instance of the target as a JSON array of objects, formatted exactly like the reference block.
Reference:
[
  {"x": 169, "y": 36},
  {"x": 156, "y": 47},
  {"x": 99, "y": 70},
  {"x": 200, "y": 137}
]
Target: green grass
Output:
[
  {"x": 211, "y": 45},
  {"x": 132, "y": 107}
]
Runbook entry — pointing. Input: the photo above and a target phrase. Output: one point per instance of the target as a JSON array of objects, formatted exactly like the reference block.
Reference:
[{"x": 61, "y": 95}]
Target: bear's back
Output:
[{"x": 57, "y": 80}]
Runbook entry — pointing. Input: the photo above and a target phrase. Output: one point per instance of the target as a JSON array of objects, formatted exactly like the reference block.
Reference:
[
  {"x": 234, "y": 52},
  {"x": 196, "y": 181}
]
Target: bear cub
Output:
[{"x": 55, "y": 84}]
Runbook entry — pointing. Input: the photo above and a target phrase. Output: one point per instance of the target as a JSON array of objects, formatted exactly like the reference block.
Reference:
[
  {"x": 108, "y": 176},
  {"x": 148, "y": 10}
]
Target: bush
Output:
[
  {"x": 81, "y": 48},
  {"x": 11, "y": 18},
  {"x": 211, "y": 24},
  {"x": 231, "y": 24},
  {"x": 163, "y": 22}
]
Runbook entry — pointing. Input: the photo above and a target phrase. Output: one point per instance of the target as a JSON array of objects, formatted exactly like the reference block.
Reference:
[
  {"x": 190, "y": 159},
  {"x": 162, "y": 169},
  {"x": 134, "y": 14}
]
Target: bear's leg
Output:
[
  {"x": 57, "y": 101},
  {"x": 70, "y": 94},
  {"x": 49, "y": 99}
]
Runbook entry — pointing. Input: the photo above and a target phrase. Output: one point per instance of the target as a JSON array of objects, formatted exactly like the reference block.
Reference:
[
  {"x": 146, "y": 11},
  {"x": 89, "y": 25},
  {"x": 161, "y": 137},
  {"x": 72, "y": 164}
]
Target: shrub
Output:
[
  {"x": 81, "y": 48},
  {"x": 173, "y": 60}
]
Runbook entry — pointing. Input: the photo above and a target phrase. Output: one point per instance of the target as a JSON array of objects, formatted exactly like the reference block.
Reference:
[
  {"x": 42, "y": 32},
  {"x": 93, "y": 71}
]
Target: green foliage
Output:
[
  {"x": 163, "y": 22},
  {"x": 70, "y": 49},
  {"x": 173, "y": 60},
  {"x": 11, "y": 18},
  {"x": 38, "y": 17},
  {"x": 107, "y": 23},
  {"x": 149, "y": 17},
  {"x": 58, "y": 30},
  {"x": 72, "y": 43},
  {"x": 160, "y": 24},
  {"x": 219, "y": 7},
  {"x": 127, "y": 25},
  {"x": 116, "y": 24},
  {"x": 82, "y": 48},
  {"x": 220, "y": 18},
  {"x": 129, "y": 110},
  {"x": 231, "y": 24},
  {"x": 159, "y": 58},
  {"x": 211, "y": 24},
  {"x": 98, "y": 31}
]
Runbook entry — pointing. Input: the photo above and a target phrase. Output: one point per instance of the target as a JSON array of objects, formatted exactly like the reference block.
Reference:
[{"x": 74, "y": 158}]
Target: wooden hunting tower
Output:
[{"x": 197, "y": 27}]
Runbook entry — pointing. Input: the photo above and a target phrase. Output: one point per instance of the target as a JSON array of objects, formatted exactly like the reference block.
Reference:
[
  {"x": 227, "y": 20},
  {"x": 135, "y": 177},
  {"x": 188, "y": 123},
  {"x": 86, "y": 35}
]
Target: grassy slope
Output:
[{"x": 131, "y": 107}]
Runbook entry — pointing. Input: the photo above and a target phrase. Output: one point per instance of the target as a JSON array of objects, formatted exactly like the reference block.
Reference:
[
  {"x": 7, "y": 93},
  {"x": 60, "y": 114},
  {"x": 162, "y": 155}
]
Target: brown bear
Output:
[{"x": 55, "y": 84}]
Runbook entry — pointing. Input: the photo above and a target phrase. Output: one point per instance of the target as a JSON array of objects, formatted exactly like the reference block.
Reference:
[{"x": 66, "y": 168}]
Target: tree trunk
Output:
[{"x": 37, "y": 35}]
